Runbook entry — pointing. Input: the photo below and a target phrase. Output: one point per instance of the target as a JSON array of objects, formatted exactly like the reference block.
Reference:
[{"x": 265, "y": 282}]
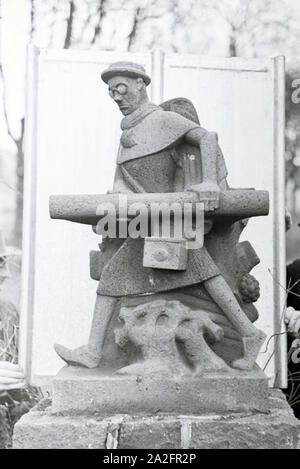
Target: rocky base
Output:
[{"x": 276, "y": 429}]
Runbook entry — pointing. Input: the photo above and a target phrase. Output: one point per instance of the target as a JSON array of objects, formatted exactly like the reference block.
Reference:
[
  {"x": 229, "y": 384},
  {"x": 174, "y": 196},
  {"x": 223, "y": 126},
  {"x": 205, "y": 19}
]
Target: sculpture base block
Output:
[
  {"x": 277, "y": 429},
  {"x": 80, "y": 390}
]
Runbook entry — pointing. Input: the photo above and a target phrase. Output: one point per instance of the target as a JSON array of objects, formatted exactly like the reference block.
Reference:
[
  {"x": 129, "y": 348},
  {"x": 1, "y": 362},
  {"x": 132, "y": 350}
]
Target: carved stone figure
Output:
[
  {"x": 166, "y": 155},
  {"x": 155, "y": 327},
  {"x": 170, "y": 361}
]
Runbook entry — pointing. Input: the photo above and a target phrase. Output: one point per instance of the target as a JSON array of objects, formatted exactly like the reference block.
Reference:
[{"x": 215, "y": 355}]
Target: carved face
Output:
[
  {"x": 127, "y": 92},
  {"x": 147, "y": 322}
]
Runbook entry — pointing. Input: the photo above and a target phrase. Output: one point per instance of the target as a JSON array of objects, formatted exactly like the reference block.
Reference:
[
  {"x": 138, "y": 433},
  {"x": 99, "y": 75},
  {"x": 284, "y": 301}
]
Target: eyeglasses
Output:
[{"x": 120, "y": 89}]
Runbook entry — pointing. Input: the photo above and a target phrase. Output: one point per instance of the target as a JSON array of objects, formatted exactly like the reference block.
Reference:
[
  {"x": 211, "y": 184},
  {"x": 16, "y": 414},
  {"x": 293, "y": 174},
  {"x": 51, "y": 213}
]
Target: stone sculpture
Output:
[
  {"x": 155, "y": 327},
  {"x": 189, "y": 312},
  {"x": 170, "y": 362}
]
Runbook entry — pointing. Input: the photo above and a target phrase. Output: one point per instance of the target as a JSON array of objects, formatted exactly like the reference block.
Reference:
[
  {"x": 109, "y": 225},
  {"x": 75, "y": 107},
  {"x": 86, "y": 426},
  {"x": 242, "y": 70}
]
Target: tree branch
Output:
[
  {"x": 101, "y": 12},
  {"x": 4, "y": 103},
  {"x": 32, "y": 18},
  {"x": 135, "y": 22},
  {"x": 70, "y": 20}
]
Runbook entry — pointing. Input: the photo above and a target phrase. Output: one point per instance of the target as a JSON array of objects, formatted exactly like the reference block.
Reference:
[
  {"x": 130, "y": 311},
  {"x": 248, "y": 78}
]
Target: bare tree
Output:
[
  {"x": 251, "y": 24},
  {"x": 173, "y": 25},
  {"x": 147, "y": 13},
  {"x": 137, "y": 19},
  {"x": 18, "y": 141},
  {"x": 83, "y": 21},
  {"x": 70, "y": 21},
  {"x": 32, "y": 17},
  {"x": 100, "y": 14}
]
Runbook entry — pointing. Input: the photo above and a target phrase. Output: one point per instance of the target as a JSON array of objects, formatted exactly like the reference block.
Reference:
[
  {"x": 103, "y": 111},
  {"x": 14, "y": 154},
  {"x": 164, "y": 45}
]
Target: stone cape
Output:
[
  {"x": 157, "y": 130},
  {"x": 152, "y": 133}
]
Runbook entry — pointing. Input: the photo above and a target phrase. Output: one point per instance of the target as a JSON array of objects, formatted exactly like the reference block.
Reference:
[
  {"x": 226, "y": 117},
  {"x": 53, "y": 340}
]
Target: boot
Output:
[
  {"x": 82, "y": 356},
  {"x": 89, "y": 355},
  {"x": 251, "y": 348}
]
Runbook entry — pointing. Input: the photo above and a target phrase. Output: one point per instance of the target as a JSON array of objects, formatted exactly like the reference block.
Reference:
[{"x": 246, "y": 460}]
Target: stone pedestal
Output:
[
  {"x": 79, "y": 390},
  {"x": 178, "y": 393},
  {"x": 275, "y": 429}
]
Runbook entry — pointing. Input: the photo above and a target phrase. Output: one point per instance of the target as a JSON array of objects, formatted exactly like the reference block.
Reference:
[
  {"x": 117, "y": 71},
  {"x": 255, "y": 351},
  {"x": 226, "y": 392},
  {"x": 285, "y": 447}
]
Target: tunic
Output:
[{"x": 150, "y": 154}]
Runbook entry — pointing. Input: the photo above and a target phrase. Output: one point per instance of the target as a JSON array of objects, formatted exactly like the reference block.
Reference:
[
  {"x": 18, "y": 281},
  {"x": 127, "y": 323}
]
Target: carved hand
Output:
[
  {"x": 209, "y": 194},
  {"x": 292, "y": 321},
  {"x": 11, "y": 376}
]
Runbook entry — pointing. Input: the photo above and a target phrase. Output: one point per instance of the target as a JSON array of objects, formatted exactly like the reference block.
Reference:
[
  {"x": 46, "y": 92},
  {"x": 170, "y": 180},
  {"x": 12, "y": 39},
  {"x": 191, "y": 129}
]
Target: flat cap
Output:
[{"x": 127, "y": 69}]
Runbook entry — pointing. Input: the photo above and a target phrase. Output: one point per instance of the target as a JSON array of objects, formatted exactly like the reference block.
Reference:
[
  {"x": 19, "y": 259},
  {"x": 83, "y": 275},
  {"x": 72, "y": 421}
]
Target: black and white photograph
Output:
[{"x": 149, "y": 227}]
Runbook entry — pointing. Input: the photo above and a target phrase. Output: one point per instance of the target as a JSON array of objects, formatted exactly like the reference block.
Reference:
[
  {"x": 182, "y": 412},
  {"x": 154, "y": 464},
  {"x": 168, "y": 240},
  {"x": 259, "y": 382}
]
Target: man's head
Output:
[{"x": 127, "y": 83}]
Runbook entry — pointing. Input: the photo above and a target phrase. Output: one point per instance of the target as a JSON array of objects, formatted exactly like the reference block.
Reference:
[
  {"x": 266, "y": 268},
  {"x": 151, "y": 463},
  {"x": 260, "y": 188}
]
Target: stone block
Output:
[
  {"x": 276, "y": 429},
  {"x": 42, "y": 430},
  {"x": 165, "y": 253},
  {"x": 80, "y": 390},
  {"x": 150, "y": 432}
]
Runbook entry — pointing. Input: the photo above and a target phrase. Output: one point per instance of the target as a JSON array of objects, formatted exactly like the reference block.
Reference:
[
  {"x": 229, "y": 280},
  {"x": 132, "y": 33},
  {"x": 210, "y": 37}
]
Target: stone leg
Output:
[
  {"x": 191, "y": 334},
  {"x": 89, "y": 355},
  {"x": 251, "y": 337}
]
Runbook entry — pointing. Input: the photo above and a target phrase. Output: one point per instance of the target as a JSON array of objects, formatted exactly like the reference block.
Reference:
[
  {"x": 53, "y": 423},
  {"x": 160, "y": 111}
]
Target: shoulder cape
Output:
[{"x": 154, "y": 133}]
